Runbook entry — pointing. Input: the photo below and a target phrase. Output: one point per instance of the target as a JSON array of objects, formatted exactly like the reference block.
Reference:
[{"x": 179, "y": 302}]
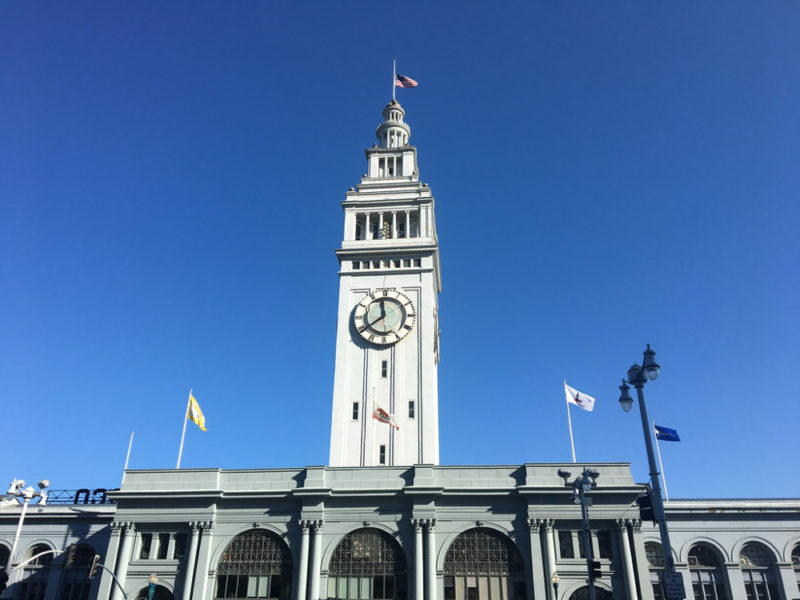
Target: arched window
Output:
[
  {"x": 708, "y": 574},
  {"x": 367, "y": 564},
  {"x": 34, "y": 576},
  {"x": 4, "y": 554},
  {"x": 655, "y": 562},
  {"x": 583, "y": 594},
  {"x": 758, "y": 570},
  {"x": 796, "y": 564},
  {"x": 75, "y": 583},
  {"x": 482, "y": 564},
  {"x": 256, "y": 564}
]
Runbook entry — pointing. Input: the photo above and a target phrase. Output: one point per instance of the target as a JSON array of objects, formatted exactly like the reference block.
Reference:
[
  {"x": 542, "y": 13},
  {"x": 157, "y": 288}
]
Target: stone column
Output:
[
  {"x": 124, "y": 559},
  {"x": 550, "y": 545},
  {"x": 394, "y": 224},
  {"x": 302, "y": 569},
  {"x": 419, "y": 565},
  {"x": 408, "y": 223},
  {"x": 366, "y": 227},
  {"x": 200, "y": 584},
  {"x": 431, "y": 552},
  {"x": 539, "y": 583},
  {"x": 316, "y": 558},
  {"x": 380, "y": 225},
  {"x": 155, "y": 544},
  {"x": 191, "y": 561},
  {"x": 787, "y": 579},
  {"x": 55, "y": 572},
  {"x": 626, "y": 559},
  {"x": 106, "y": 581},
  {"x": 642, "y": 568},
  {"x": 735, "y": 580},
  {"x": 171, "y": 546}
]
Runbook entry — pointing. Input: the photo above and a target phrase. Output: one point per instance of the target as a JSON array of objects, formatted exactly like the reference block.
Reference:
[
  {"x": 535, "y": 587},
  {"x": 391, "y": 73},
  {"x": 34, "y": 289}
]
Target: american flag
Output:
[{"x": 403, "y": 81}]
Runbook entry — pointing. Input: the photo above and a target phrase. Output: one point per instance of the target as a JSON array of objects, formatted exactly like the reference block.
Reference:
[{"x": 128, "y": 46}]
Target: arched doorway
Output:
[
  {"x": 482, "y": 564},
  {"x": 256, "y": 564},
  {"x": 368, "y": 564},
  {"x": 160, "y": 593},
  {"x": 599, "y": 593}
]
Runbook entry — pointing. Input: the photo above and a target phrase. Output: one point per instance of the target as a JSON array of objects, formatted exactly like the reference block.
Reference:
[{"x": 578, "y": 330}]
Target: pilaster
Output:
[
  {"x": 191, "y": 561},
  {"x": 642, "y": 569},
  {"x": 626, "y": 559},
  {"x": 201, "y": 578},
  {"x": 302, "y": 568},
  {"x": 128, "y": 535},
  {"x": 538, "y": 584},
  {"x": 110, "y": 562},
  {"x": 316, "y": 558}
]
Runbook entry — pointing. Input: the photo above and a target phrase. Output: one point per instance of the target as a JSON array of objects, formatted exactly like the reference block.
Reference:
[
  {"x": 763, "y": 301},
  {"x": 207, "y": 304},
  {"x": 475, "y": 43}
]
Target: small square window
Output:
[
  {"x": 382, "y": 455},
  {"x": 356, "y": 265},
  {"x": 386, "y": 264},
  {"x": 355, "y": 411},
  {"x": 406, "y": 262},
  {"x": 396, "y": 263},
  {"x": 365, "y": 264},
  {"x": 411, "y": 411},
  {"x": 417, "y": 262},
  {"x": 376, "y": 264}
]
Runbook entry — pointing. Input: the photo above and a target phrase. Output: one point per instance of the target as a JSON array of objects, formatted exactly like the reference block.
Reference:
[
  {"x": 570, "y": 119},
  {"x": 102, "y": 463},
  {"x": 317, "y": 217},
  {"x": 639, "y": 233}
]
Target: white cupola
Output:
[{"x": 393, "y": 132}]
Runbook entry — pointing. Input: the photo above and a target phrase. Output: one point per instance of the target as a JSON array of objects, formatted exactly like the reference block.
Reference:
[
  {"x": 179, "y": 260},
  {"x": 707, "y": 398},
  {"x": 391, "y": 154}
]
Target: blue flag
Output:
[{"x": 666, "y": 434}]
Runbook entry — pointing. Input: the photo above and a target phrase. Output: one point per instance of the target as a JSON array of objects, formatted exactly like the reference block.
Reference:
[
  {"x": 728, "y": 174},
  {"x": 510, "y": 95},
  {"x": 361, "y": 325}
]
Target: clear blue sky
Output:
[{"x": 607, "y": 174}]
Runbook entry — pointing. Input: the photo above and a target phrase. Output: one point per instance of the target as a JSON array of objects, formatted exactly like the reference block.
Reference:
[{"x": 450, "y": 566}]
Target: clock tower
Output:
[{"x": 385, "y": 390}]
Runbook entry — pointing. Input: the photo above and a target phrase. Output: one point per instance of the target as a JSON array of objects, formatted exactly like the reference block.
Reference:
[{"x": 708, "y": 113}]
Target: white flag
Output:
[{"x": 579, "y": 398}]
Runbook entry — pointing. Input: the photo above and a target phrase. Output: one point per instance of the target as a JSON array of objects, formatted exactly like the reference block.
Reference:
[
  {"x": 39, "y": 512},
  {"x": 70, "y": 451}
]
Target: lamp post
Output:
[
  {"x": 637, "y": 377},
  {"x": 582, "y": 485},
  {"x": 554, "y": 580},
  {"x": 151, "y": 588},
  {"x": 17, "y": 491}
]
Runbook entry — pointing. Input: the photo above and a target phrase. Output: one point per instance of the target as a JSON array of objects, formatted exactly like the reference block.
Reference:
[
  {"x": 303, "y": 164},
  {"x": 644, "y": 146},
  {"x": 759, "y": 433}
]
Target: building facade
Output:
[{"x": 384, "y": 521}]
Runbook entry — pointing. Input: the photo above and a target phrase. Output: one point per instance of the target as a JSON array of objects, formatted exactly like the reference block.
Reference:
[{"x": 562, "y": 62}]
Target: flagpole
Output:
[
  {"x": 394, "y": 77},
  {"x": 569, "y": 420},
  {"x": 661, "y": 464},
  {"x": 127, "y": 458},
  {"x": 183, "y": 435}
]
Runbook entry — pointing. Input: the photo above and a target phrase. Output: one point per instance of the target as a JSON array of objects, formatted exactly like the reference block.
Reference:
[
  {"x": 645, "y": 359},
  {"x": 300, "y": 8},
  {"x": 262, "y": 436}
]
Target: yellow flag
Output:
[{"x": 195, "y": 414}]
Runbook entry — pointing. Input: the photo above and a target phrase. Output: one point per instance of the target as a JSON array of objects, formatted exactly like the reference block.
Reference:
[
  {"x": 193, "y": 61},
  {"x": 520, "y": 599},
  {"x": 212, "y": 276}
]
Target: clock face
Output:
[{"x": 384, "y": 317}]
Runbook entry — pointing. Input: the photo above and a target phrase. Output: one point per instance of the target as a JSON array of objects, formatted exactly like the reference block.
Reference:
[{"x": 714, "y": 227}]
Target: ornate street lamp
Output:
[
  {"x": 151, "y": 588},
  {"x": 638, "y": 375},
  {"x": 17, "y": 491}
]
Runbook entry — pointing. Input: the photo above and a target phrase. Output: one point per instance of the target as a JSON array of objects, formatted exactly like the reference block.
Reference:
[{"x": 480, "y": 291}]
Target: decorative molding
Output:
[{"x": 534, "y": 525}]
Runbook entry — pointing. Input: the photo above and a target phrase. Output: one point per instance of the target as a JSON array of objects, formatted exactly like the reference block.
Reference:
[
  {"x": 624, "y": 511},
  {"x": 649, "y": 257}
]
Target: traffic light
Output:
[
  {"x": 95, "y": 565},
  {"x": 3, "y": 581},
  {"x": 596, "y": 574},
  {"x": 645, "y": 503}
]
